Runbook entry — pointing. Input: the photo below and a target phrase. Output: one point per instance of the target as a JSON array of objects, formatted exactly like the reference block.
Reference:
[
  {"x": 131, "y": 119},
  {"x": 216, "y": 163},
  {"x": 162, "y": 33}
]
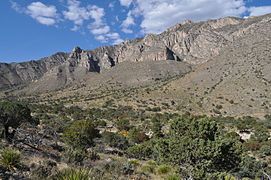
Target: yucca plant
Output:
[
  {"x": 10, "y": 158},
  {"x": 72, "y": 174}
]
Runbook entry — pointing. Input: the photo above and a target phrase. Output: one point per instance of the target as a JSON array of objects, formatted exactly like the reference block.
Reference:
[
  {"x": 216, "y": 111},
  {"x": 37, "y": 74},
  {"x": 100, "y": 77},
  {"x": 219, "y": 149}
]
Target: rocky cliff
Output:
[
  {"x": 192, "y": 43},
  {"x": 21, "y": 73}
]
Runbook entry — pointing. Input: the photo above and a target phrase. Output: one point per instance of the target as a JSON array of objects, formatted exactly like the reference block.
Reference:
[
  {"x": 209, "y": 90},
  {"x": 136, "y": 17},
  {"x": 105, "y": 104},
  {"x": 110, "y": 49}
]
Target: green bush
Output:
[
  {"x": 137, "y": 136},
  {"x": 100, "y": 123},
  {"x": 123, "y": 124},
  {"x": 13, "y": 114},
  {"x": 198, "y": 143},
  {"x": 128, "y": 168},
  {"x": 141, "y": 151},
  {"x": 157, "y": 128},
  {"x": 10, "y": 158},
  {"x": 246, "y": 123},
  {"x": 115, "y": 140},
  {"x": 43, "y": 169},
  {"x": 149, "y": 167},
  {"x": 72, "y": 174},
  {"x": 250, "y": 168},
  {"x": 265, "y": 150},
  {"x": 261, "y": 134},
  {"x": 163, "y": 169},
  {"x": 134, "y": 162},
  {"x": 80, "y": 134},
  {"x": 75, "y": 155},
  {"x": 173, "y": 177}
]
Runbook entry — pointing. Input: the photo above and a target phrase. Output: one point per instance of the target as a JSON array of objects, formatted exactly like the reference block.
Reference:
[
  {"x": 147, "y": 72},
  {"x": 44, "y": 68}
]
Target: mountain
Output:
[
  {"x": 218, "y": 66},
  {"x": 21, "y": 73}
]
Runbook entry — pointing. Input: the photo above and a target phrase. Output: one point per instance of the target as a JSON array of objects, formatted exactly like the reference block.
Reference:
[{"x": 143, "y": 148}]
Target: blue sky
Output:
[{"x": 31, "y": 29}]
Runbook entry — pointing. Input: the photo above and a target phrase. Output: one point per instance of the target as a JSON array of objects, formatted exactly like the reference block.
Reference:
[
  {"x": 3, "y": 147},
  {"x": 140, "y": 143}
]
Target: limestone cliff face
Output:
[
  {"x": 20, "y": 73},
  {"x": 192, "y": 43}
]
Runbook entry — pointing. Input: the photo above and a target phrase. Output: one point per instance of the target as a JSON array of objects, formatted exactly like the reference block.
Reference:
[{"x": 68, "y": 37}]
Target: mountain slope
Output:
[
  {"x": 236, "y": 82},
  {"x": 22, "y": 73},
  {"x": 189, "y": 42},
  {"x": 217, "y": 67}
]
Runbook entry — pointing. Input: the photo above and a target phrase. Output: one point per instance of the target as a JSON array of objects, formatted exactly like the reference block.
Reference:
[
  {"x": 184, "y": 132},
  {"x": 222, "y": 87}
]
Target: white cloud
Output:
[
  {"x": 117, "y": 41},
  {"x": 258, "y": 11},
  {"x": 114, "y": 37},
  {"x": 97, "y": 14},
  {"x": 79, "y": 15},
  {"x": 101, "y": 38},
  {"x": 44, "y": 14},
  {"x": 100, "y": 30},
  {"x": 76, "y": 14},
  {"x": 126, "y": 3},
  {"x": 46, "y": 20},
  {"x": 129, "y": 21},
  {"x": 161, "y": 14}
]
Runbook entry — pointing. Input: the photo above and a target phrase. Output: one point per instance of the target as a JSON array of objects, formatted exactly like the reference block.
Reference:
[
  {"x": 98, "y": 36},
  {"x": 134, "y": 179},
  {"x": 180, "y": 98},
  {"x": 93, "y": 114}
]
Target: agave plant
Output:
[{"x": 72, "y": 174}]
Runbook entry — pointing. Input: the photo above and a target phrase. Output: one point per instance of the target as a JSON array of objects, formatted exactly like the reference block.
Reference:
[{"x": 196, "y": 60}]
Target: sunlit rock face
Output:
[{"x": 189, "y": 42}]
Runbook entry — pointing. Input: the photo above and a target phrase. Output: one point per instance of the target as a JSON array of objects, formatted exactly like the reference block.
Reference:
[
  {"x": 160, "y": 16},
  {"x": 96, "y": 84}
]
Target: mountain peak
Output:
[{"x": 76, "y": 53}]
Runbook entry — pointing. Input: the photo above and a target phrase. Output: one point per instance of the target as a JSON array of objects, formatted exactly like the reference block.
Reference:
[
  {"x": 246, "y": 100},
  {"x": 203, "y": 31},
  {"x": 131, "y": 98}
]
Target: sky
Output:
[{"x": 32, "y": 29}]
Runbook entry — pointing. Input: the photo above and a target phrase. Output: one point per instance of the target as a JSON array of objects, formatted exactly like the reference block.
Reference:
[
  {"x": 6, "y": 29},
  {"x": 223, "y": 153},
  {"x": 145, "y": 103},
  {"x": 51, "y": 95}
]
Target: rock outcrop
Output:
[{"x": 23, "y": 73}]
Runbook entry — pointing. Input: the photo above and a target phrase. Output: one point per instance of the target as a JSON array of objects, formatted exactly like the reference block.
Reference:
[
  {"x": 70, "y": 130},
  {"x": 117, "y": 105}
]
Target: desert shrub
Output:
[
  {"x": 261, "y": 134},
  {"x": 72, "y": 174},
  {"x": 141, "y": 151},
  {"x": 13, "y": 114},
  {"x": 134, "y": 162},
  {"x": 114, "y": 167},
  {"x": 75, "y": 112},
  {"x": 78, "y": 155},
  {"x": 10, "y": 158},
  {"x": 93, "y": 155},
  {"x": 219, "y": 106},
  {"x": 230, "y": 177},
  {"x": 123, "y": 124},
  {"x": 250, "y": 168},
  {"x": 222, "y": 175},
  {"x": 75, "y": 155},
  {"x": 246, "y": 123},
  {"x": 115, "y": 140},
  {"x": 100, "y": 123},
  {"x": 252, "y": 145},
  {"x": 265, "y": 150},
  {"x": 43, "y": 170},
  {"x": 157, "y": 127},
  {"x": 173, "y": 177},
  {"x": 198, "y": 143},
  {"x": 149, "y": 167},
  {"x": 137, "y": 136},
  {"x": 128, "y": 168},
  {"x": 80, "y": 134},
  {"x": 164, "y": 169},
  {"x": 154, "y": 109}
]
